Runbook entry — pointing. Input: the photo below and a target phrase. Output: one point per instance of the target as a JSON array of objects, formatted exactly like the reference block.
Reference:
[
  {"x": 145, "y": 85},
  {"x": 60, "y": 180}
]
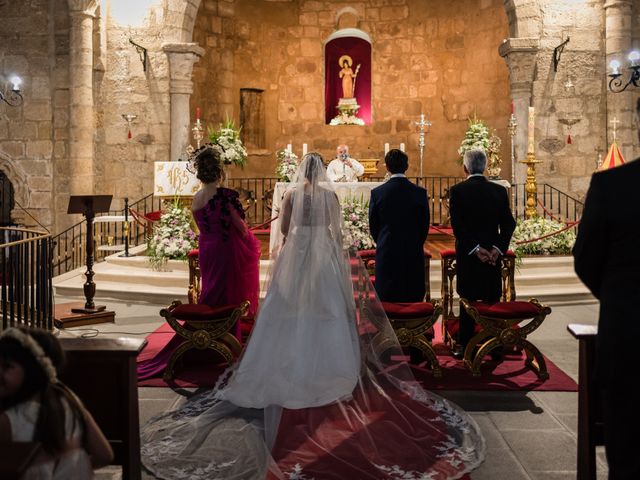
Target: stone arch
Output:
[
  {"x": 181, "y": 19},
  {"x": 18, "y": 178},
  {"x": 524, "y": 18},
  {"x": 347, "y": 17}
]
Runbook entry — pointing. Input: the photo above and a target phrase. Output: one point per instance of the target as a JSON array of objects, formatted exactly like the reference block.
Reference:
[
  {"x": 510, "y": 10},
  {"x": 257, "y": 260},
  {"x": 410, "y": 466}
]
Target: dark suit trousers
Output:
[{"x": 621, "y": 426}]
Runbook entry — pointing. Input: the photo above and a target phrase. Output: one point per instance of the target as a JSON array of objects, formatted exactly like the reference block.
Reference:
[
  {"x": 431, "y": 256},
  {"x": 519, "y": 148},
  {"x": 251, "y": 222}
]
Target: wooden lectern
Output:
[{"x": 89, "y": 205}]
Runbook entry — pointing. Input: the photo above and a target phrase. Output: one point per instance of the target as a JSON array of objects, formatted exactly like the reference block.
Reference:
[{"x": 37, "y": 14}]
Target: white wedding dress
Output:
[{"x": 319, "y": 392}]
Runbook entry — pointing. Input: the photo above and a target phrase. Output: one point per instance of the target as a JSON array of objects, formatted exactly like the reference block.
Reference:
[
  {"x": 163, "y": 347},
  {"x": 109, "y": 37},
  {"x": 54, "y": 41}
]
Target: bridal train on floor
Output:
[{"x": 312, "y": 397}]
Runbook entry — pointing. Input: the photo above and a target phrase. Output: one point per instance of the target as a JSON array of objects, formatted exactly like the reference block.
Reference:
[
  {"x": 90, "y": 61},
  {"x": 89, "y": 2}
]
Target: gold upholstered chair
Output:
[
  {"x": 369, "y": 259},
  {"x": 193, "y": 292},
  {"x": 505, "y": 324},
  {"x": 450, "y": 322},
  {"x": 203, "y": 328}
]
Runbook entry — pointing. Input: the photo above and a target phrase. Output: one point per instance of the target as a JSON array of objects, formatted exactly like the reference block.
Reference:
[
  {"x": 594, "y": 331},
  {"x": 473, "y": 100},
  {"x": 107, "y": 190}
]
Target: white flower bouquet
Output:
[
  {"x": 227, "y": 142},
  {"x": 172, "y": 237},
  {"x": 345, "y": 119},
  {"x": 355, "y": 224},
  {"x": 536, "y": 227},
  {"x": 287, "y": 165},
  {"x": 479, "y": 137}
]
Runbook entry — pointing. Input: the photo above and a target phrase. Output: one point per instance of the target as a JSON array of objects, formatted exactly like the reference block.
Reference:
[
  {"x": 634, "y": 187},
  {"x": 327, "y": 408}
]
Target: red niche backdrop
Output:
[{"x": 354, "y": 51}]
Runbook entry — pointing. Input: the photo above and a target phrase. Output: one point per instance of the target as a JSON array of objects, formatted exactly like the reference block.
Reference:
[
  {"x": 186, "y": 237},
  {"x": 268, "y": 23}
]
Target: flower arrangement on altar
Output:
[
  {"x": 228, "y": 143},
  {"x": 346, "y": 119},
  {"x": 287, "y": 165},
  {"x": 479, "y": 137},
  {"x": 172, "y": 238},
  {"x": 559, "y": 244},
  {"x": 355, "y": 225}
]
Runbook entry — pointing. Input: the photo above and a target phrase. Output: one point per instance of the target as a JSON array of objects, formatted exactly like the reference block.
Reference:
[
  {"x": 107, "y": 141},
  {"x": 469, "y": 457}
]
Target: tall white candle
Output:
[
  {"x": 402, "y": 147},
  {"x": 288, "y": 147},
  {"x": 386, "y": 148},
  {"x": 531, "y": 130},
  {"x": 304, "y": 149}
]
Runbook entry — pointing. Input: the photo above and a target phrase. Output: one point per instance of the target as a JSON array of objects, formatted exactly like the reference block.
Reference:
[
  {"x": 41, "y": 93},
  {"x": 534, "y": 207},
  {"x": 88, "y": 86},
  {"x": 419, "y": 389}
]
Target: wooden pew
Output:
[
  {"x": 590, "y": 425},
  {"x": 102, "y": 372}
]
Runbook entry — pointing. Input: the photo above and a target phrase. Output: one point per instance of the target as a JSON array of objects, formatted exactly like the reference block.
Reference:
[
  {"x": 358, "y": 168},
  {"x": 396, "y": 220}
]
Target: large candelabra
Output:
[
  {"x": 421, "y": 140},
  {"x": 512, "y": 127}
]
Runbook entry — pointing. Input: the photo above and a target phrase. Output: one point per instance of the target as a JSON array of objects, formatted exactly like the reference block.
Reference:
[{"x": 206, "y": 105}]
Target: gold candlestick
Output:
[{"x": 531, "y": 187}]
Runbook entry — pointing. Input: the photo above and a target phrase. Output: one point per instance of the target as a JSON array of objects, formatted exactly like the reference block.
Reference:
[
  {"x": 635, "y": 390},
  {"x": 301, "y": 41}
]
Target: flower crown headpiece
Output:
[{"x": 27, "y": 341}]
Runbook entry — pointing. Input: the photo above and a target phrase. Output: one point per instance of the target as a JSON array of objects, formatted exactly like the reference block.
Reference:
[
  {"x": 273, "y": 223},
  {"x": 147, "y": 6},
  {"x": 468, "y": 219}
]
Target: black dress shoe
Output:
[{"x": 458, "y": 352}]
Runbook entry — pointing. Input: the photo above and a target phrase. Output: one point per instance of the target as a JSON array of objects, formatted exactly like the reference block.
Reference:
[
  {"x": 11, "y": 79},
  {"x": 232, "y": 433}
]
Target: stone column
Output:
[
  {"x": 618, "y": 21},
  {"x": 81, "y": 106},
  {"x": 520, "y": 55},
  {"x": 181, "y": 57}
]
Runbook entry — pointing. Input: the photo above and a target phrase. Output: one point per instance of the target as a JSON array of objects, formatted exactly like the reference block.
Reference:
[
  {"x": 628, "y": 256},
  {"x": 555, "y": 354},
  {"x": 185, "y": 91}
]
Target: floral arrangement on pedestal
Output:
[
  {"x": 355, "y": 225},
  {"x": 346, "y": 119},
  {"x": 287, "y": 165},
  {"x": 536, "y": 227},
  {"x": 228, "y": 143},
  {"x": 172, "y": 238},
  {"x": 478, "y": 137}
]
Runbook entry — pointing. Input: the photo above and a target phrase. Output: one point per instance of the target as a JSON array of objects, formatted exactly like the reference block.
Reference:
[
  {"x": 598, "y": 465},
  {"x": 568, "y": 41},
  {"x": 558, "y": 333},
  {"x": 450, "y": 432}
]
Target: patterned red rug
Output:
[{"x": 197, "y": 370}]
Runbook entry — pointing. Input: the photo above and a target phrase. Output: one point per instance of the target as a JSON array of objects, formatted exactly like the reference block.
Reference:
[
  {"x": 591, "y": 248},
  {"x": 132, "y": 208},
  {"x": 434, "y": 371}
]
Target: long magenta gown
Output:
[
  {"x": 229, "y": 268},
  {"x": 229, "y": 261}
]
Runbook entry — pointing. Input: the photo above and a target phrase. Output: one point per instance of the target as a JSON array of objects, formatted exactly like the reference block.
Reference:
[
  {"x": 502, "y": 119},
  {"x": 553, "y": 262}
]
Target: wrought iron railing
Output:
[
  {"x": 552, "y": 203},
  {"x": 260, "y": 191},
  {"x": 109, "y": 233},
  {"x": 26, "y": 292},
  {"x": 257, "y": 195}
]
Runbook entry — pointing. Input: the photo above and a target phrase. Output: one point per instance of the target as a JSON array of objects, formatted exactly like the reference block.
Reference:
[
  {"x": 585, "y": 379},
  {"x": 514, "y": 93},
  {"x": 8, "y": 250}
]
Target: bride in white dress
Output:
[{"x": 312, "y": 396}]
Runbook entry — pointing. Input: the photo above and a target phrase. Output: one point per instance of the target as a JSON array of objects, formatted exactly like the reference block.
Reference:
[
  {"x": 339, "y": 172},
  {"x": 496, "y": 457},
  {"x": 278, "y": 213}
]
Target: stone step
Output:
[{"x": 550, "y": 279}]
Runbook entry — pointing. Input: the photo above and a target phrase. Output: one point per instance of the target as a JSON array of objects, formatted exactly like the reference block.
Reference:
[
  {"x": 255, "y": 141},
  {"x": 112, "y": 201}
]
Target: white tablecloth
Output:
[{"x": 343, "y": 190}]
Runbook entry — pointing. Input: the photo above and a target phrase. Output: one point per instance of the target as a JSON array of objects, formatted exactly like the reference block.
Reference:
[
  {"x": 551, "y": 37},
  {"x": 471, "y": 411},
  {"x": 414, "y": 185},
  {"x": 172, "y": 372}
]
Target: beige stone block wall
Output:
[{"x": 431, "y": 57}]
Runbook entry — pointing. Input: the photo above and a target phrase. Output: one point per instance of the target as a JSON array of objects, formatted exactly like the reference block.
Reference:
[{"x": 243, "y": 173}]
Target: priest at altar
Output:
[{"x": 344, "y": 168}]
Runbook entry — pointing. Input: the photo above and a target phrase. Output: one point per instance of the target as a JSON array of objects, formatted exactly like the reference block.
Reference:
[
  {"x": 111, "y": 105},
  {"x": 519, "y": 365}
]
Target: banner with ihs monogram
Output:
[{"x": 173, "y": 179}]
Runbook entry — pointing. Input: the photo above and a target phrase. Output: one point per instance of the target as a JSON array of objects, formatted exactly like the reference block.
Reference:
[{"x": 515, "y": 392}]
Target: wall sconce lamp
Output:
[
  {"x": 616, "y": 82},
  {"x": 13, "y": 97},
  {"x": 142, "y": 52},
  {"x": 557, "y": 52}
]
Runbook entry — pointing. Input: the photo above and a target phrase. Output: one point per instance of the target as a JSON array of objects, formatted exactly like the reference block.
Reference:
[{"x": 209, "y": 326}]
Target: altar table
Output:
[{"x": 343, "y": 190}]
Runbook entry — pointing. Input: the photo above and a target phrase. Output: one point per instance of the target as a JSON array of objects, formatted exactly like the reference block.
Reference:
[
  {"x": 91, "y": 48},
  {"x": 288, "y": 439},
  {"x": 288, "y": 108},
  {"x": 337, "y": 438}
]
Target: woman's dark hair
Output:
[
  {"x": 396, "y": 161},
  {"x": 50, "y": 425},
  {"x": 314, "y": 159},
  {"x": 208, "y": 166}
]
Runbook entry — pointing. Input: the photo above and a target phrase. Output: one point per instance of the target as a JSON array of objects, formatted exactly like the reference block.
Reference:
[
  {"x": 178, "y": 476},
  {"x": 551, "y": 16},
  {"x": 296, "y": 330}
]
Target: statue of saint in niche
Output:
[{"x": 348, "y": 76}]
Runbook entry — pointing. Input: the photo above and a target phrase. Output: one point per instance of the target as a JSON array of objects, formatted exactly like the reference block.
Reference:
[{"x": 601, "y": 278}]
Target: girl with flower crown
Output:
[{"x": 36, "y": 407}]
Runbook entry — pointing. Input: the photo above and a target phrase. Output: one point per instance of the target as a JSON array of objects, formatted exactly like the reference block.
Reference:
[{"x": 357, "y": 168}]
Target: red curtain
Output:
[{"x": 360, "y": 52}]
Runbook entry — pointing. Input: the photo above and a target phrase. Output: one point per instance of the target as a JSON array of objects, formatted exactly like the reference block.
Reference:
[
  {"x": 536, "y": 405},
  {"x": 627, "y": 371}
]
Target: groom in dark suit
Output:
[
  {"x": 399, "y": 223},
  {"x": 482, "y": 224},
  {"x": 607, "y": 260}
]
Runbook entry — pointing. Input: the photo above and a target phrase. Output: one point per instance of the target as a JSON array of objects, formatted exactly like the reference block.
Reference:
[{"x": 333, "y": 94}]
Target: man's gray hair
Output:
[{"x": 475, "y": 161}]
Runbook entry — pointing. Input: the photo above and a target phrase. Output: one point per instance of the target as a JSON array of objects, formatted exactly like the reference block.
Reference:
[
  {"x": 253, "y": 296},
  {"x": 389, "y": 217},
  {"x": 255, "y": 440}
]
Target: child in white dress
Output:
[{"x": 36, "y": 407}]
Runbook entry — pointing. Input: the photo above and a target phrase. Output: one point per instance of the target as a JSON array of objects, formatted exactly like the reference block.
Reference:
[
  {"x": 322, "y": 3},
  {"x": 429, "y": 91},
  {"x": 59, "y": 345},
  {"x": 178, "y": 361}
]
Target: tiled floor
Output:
[{"x": 529, "y": 435}]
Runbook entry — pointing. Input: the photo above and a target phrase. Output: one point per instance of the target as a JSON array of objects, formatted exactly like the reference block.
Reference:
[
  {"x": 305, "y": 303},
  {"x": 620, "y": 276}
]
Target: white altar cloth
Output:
[{"x": 342, "y": 189}]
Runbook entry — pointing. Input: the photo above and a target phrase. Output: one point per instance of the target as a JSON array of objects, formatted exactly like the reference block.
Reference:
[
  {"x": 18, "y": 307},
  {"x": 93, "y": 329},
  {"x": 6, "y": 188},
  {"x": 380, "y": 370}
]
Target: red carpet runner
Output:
[{"x": 198, "y": 369}]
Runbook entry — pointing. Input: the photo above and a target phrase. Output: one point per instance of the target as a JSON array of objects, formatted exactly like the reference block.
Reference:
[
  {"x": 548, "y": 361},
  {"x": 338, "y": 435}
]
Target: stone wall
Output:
[
  {"x": 432, "y": 57},
  {"x": 30, "y": 139},
  {"x": 440, "y": 58}
]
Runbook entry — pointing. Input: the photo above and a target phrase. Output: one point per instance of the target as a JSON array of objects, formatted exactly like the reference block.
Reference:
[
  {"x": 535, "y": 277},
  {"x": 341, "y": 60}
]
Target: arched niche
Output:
[
  {"x": 16, "y": 177},
  {"x": 355, "y": 44}
]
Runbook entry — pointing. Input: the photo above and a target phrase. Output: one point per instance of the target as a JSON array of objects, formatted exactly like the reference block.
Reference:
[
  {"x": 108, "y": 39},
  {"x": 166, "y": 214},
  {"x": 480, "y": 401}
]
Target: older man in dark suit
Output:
[
  {"x": 482, "y": 224},
  {"x": 399, "y": 223},
  {"x": 607, "y": 260}
]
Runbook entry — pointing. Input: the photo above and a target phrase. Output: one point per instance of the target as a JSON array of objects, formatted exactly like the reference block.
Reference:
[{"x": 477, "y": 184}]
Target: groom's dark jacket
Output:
[{"x": 399, "y": 223}]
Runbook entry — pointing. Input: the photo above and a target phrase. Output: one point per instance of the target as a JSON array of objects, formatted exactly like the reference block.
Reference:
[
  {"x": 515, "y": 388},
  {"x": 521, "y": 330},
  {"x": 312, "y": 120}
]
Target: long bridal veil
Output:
[{"x": 322, "y": 390}]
